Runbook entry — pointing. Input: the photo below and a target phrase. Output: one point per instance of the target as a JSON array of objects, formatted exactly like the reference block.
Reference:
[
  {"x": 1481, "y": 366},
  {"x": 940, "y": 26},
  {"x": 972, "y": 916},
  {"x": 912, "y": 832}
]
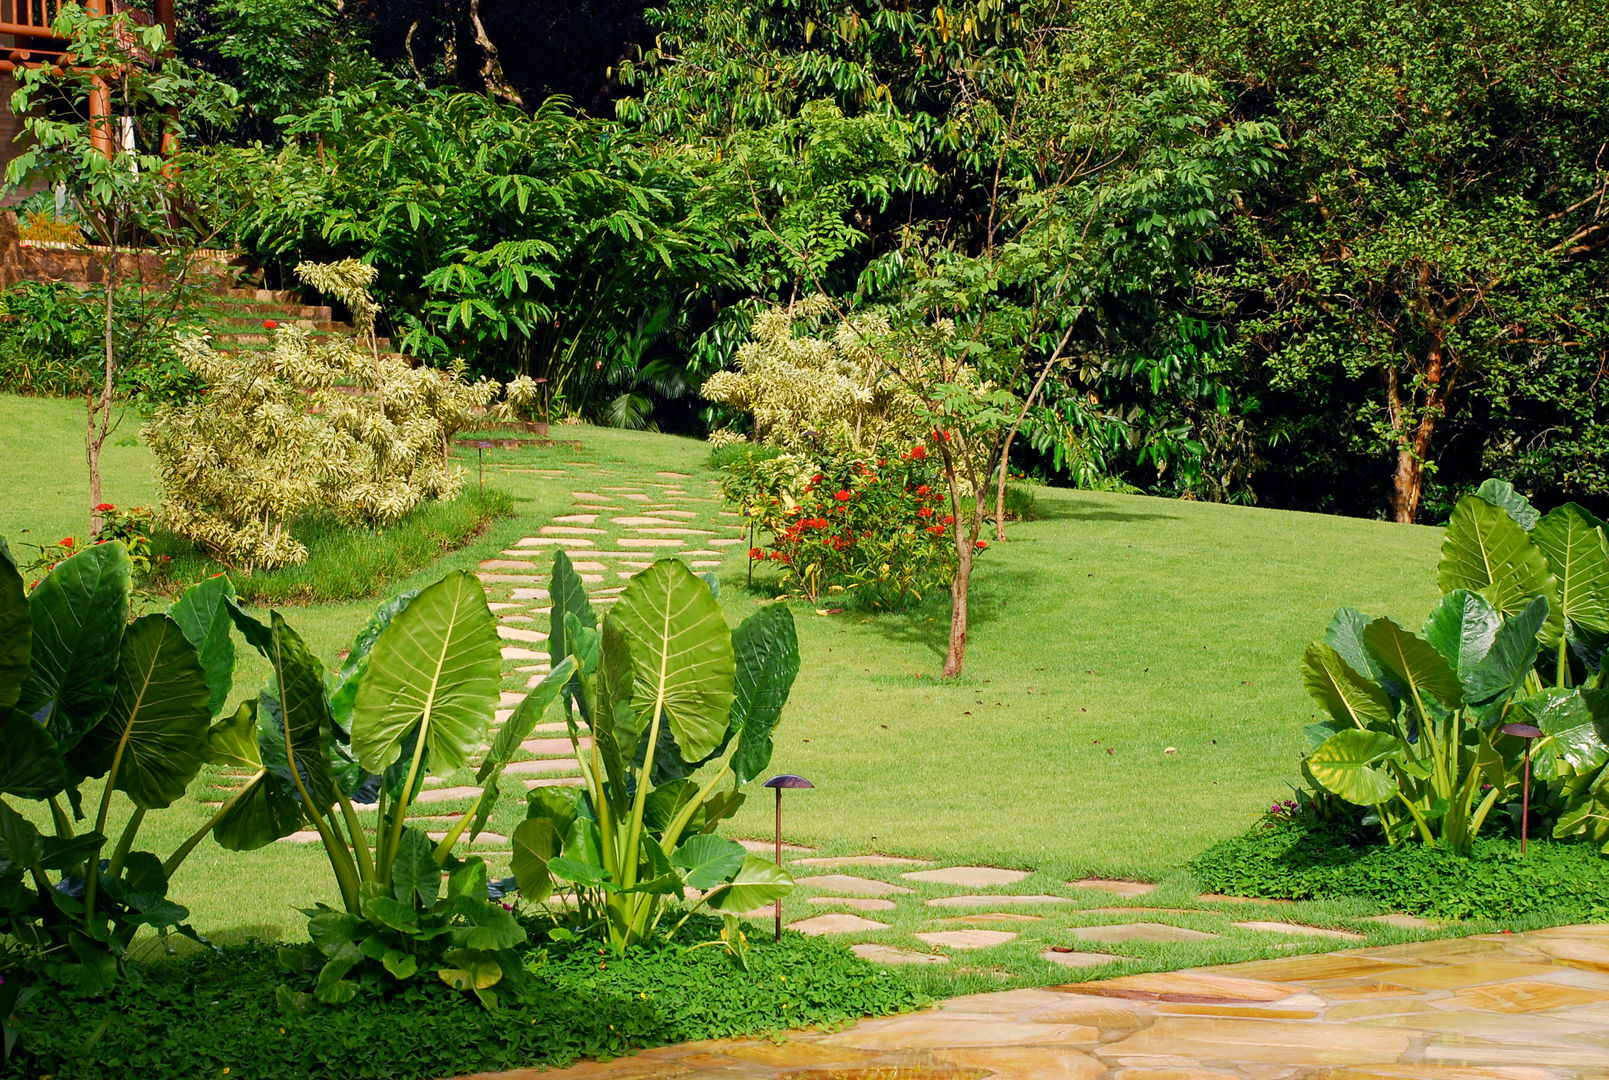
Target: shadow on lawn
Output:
[{"x": 1068, "y": 509}]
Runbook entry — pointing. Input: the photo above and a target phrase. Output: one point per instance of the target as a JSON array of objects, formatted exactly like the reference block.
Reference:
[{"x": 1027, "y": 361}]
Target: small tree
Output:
[{"x": 99, "y": 130}]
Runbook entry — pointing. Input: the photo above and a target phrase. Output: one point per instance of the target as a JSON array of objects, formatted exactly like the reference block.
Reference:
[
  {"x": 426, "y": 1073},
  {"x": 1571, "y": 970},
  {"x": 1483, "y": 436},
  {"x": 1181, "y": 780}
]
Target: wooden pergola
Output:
[{"x": 33, "y": 44}]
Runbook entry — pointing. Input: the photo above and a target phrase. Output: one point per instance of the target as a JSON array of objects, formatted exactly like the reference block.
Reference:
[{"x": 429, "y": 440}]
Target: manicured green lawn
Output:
[{"x": 1131, "y": 692}]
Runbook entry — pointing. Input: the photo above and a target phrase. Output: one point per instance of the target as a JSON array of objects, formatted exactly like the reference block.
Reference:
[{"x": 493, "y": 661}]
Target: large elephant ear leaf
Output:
[
  {"x": 1351, "y": 764},
  {"x": 1512, "y": 652},
  {"x": 567, "y": 594},
  {"x": 708, "y": 860},
  {"x": 437, "y": 668},
  {"x": 1413, "y": 661},
  {"x": 153, "y": 738},
  {"x": 30, "y": 765},
  {"x": 293, "y": 722},
  {"x": 1462, "y": 628},
  {"x": 1345, "y": 636},
  {"x": 682, "y": 651},
  {"x": 766, "y": 652},
  {"x": 1501, "y": 493},
  {"x": 78, "y": 614},
  {"x": 757, "y": 882},
  {"x": 1487, "y": 551},
  {"x": 1349, "y": 697},
  {"x": 203, "y": 614},
  {"x": 1572, "y": 541},
  {"x": 16, "y": 630}
]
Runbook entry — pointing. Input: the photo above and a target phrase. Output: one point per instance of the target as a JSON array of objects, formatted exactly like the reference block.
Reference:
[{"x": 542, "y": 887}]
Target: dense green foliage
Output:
[
  {"x": 1297, "y": 861},
  {"x": 206, "y": 1013}
]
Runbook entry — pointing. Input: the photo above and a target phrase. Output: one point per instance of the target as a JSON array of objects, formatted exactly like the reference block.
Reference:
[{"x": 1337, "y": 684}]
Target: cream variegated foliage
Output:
[
  {"x": 832, "y": 385},
  {"x": 307, "y": 427}
]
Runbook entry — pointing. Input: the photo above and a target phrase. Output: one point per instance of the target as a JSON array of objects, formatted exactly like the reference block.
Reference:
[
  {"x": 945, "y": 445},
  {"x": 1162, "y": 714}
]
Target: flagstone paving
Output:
[{"x": 1532, "y": 1006}]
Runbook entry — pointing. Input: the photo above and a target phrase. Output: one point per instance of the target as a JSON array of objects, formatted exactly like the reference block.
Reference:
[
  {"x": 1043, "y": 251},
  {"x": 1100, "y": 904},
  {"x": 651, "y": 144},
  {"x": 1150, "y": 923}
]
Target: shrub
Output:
[
  {"x": 878, "y": 527},
  {"x": 1297, "y": 860}
]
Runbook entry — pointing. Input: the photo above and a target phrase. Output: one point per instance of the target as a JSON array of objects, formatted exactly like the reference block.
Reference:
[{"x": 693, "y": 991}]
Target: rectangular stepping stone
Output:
[
  {"x": 552, "y": 747},
  {"x": 575, "y": 519},
  {"x": 509, "y": 697},
  {"x": 505, "y": 564},
  {"x": 723, "y": 542},
  {"x": 649, "y": 542},
  {"x": 995, "y": 917},
  {"x": 1002, "y": 899},
  {"x": 1115, "y": 886},
  {"x": 537, "y": 766},
  {"x": 637, "y": 497},
  {"x": 483, "y": 838},
  {"x": 554, "y": 541},
  {"x": 701, "y": 551},
  {"x": 301, "y": 836},
  {"x": 500, "y": 716},
  {"x": 763, "y": 847},
  {"x": 514, "y": 652},
  {"x": 594, "y": 567},
  {"x": 1143, "y": 931},
  {"x": 447, "y": 794},
  {"x": 647, "y": 521},
  {"x": 515, "y": 633},
  {"x": 572, "y": 530},
  {"x": 1071, "y": 959},
  {"x": 589, "y": 496},
  {"x": 685, "y": 515},
  {"x": 858, "y": 903},
  {"x": 974, "y": 877},
  {"x": 887, "y": 954},
  {"x": 1299, "y": 929},
  {"x": 515, "y": 618},
  {"x": 967, "y": 939},
  {"x": 818, "y": 925},
  {"x": 503, "y": 605},
  {"x": 850, "y": 884},
  {"x": 554, "y": 781},
  {"x": 862, "y": 860},
  {"x": 510, "y": 579},
  {"x": 673, "y": 531},
  {"x": 530, "y": 594}
]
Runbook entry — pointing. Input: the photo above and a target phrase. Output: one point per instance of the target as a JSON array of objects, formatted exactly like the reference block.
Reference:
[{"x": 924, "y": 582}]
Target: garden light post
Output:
[
  {"x": 786, "y": 780},
  {"x": 1530, "y": 733},
  {"x": 480, "y": 466}
]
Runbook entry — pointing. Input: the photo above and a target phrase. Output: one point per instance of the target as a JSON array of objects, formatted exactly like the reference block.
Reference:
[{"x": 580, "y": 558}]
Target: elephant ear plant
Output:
[
  {"x": 670, "y": 713},
  {"x": 85, "y": 693},
  {"x": 415, "y": 696},
  {"x": 1415, "y": 728}
]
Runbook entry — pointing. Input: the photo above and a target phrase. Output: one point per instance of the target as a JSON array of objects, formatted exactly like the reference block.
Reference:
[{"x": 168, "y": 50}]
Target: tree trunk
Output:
[
  {"x": 1408, "y": 483},
  {"x": 958, "y": 613},
  {"x": 1011, "y": 435},
  {"x": 100, "y": 411}
]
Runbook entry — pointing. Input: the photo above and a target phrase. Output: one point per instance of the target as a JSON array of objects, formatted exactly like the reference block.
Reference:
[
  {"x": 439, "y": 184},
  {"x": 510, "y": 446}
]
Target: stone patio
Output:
[{"x": 1531, "y": 1006}]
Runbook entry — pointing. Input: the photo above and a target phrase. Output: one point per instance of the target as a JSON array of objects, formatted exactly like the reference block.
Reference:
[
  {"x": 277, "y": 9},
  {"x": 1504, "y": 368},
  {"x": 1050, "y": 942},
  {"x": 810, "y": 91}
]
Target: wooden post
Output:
[
  {"x": 163, "y": 10},
  {"x": 100, "y": 100}
]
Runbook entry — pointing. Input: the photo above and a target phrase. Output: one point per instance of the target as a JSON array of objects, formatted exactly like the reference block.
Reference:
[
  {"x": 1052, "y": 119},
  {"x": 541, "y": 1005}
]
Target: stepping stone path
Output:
[
  {"x": 967, "y": 939},
  {"x": 1120, "y": 888},
  {"x": 817, "y": 925},
  {"x": 887, "y": 954},
  {"x": 858, "y": 903},
  {"x": 850, "y": 884},
  {"x": 1003, "y": 899},
  {"x": 1299, "y": 929},
  {"x": 862, "y": 860},
  {"x": 1073, "y": 959},
  {"x": 1145, "y": 931}
]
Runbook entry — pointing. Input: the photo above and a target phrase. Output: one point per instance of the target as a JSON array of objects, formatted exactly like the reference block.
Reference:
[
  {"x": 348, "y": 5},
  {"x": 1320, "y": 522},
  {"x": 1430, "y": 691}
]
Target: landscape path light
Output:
[
  {"x": 777, "y": 783},
  {"x": 1530, "y": 733},
  {"x": 480, "y": 466}
]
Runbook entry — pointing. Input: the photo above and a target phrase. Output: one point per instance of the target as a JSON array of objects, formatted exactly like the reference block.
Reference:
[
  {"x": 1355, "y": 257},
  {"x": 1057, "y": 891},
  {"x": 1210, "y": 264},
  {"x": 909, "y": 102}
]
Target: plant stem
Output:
[
  {"x": 359, "y": 844},
  {"x": 182, "y": 852},
  {"x": 125, "y": 841}
]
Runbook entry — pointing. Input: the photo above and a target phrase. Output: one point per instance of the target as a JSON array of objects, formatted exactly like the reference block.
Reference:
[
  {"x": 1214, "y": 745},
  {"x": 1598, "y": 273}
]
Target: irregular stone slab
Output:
[
  {"x": 1527, "y": 996},
  {"x": 594, "y": 567},
  {"x": 685, "y": 515},
  {"x": 638, "y": 497},
  {"x": 514, "y": 633},
  {"x": 995, "y": 917},
  {"x": 862, "y": 860},
  {"x": 650, "y": 542},
  {"x": 511, "y": 619},
  {"x": 641, "y": 520},
  {"x": 509, "y": 579},
  {"x": 554, "y": 541},
  {"x": 554, "y": 781},
  {"x": 510, "y": 697},
  {"x": 514, "y": 652},
  {"x": 1188, "y": 986},
  {"x": 535, "y": 680},
  {"x": 540, "y": 766},
  {"x": 447, "y": 794},
  {"x": 946, "y": 1030},
  {"x": 667, "y": 531},
  {"x": 973, "y": 877},
  {"x": 1003, "y": 899},
  {"x": 817, "y": 925},
  {"x": 850, "y": 884},
  {"x": 887, "y": 954},
  {"x": 530, "y": 594},
  {"x": 589, "y": 496},
  {"x": 503, "y": 606},
  {"x": 302, "y": 836},
  {"x": 571, "y": 530},
  {"x": 967, "y": 939},
  {"x": 859, "y": 903},
  {"x": 1116, "y": 886},
  {"x": 1299, "y": 929},
  {"x": 1275, "y": 1042},
  {"x": 576, "y": 519},
  {"x": 1070, "y": 959},
  {"x": 500, "y": 716},
  {"x": 1142, "y": 931},
  {"x": 1038, "y": 1063}
]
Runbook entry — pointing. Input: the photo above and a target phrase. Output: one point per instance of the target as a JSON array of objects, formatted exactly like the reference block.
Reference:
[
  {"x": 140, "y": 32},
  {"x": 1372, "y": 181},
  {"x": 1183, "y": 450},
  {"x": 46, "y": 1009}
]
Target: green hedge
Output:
[
  {"x": 214, "y": 1014},
  {"x": 1297, "y": 861}
]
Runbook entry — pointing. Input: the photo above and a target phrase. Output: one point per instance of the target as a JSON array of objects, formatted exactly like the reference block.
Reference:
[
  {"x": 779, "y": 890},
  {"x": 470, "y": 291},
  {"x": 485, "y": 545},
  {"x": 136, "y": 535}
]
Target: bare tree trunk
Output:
[
  {"x": 1408, "y": 483},
  {"x": 98, "y": 424},
  {"x": 1005, "y": 450},
  {"x": 958, "y": 610}
]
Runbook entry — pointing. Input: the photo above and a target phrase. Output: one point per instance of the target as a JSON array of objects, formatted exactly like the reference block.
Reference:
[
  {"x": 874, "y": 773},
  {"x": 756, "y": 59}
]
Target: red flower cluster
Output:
[
  {"x": 756, "y": 553},
  {"x": 101, "y": 508},
  {"x": 270, "y": 324},
  {"x": 917, "y": 453},
  {"x": 68, "y": 542},
  {"x": 842, "y": 496}
]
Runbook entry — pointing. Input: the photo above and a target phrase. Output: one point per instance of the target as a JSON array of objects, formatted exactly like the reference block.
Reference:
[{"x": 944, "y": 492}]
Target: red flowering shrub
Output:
[{"x": 864, "y": 526}]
